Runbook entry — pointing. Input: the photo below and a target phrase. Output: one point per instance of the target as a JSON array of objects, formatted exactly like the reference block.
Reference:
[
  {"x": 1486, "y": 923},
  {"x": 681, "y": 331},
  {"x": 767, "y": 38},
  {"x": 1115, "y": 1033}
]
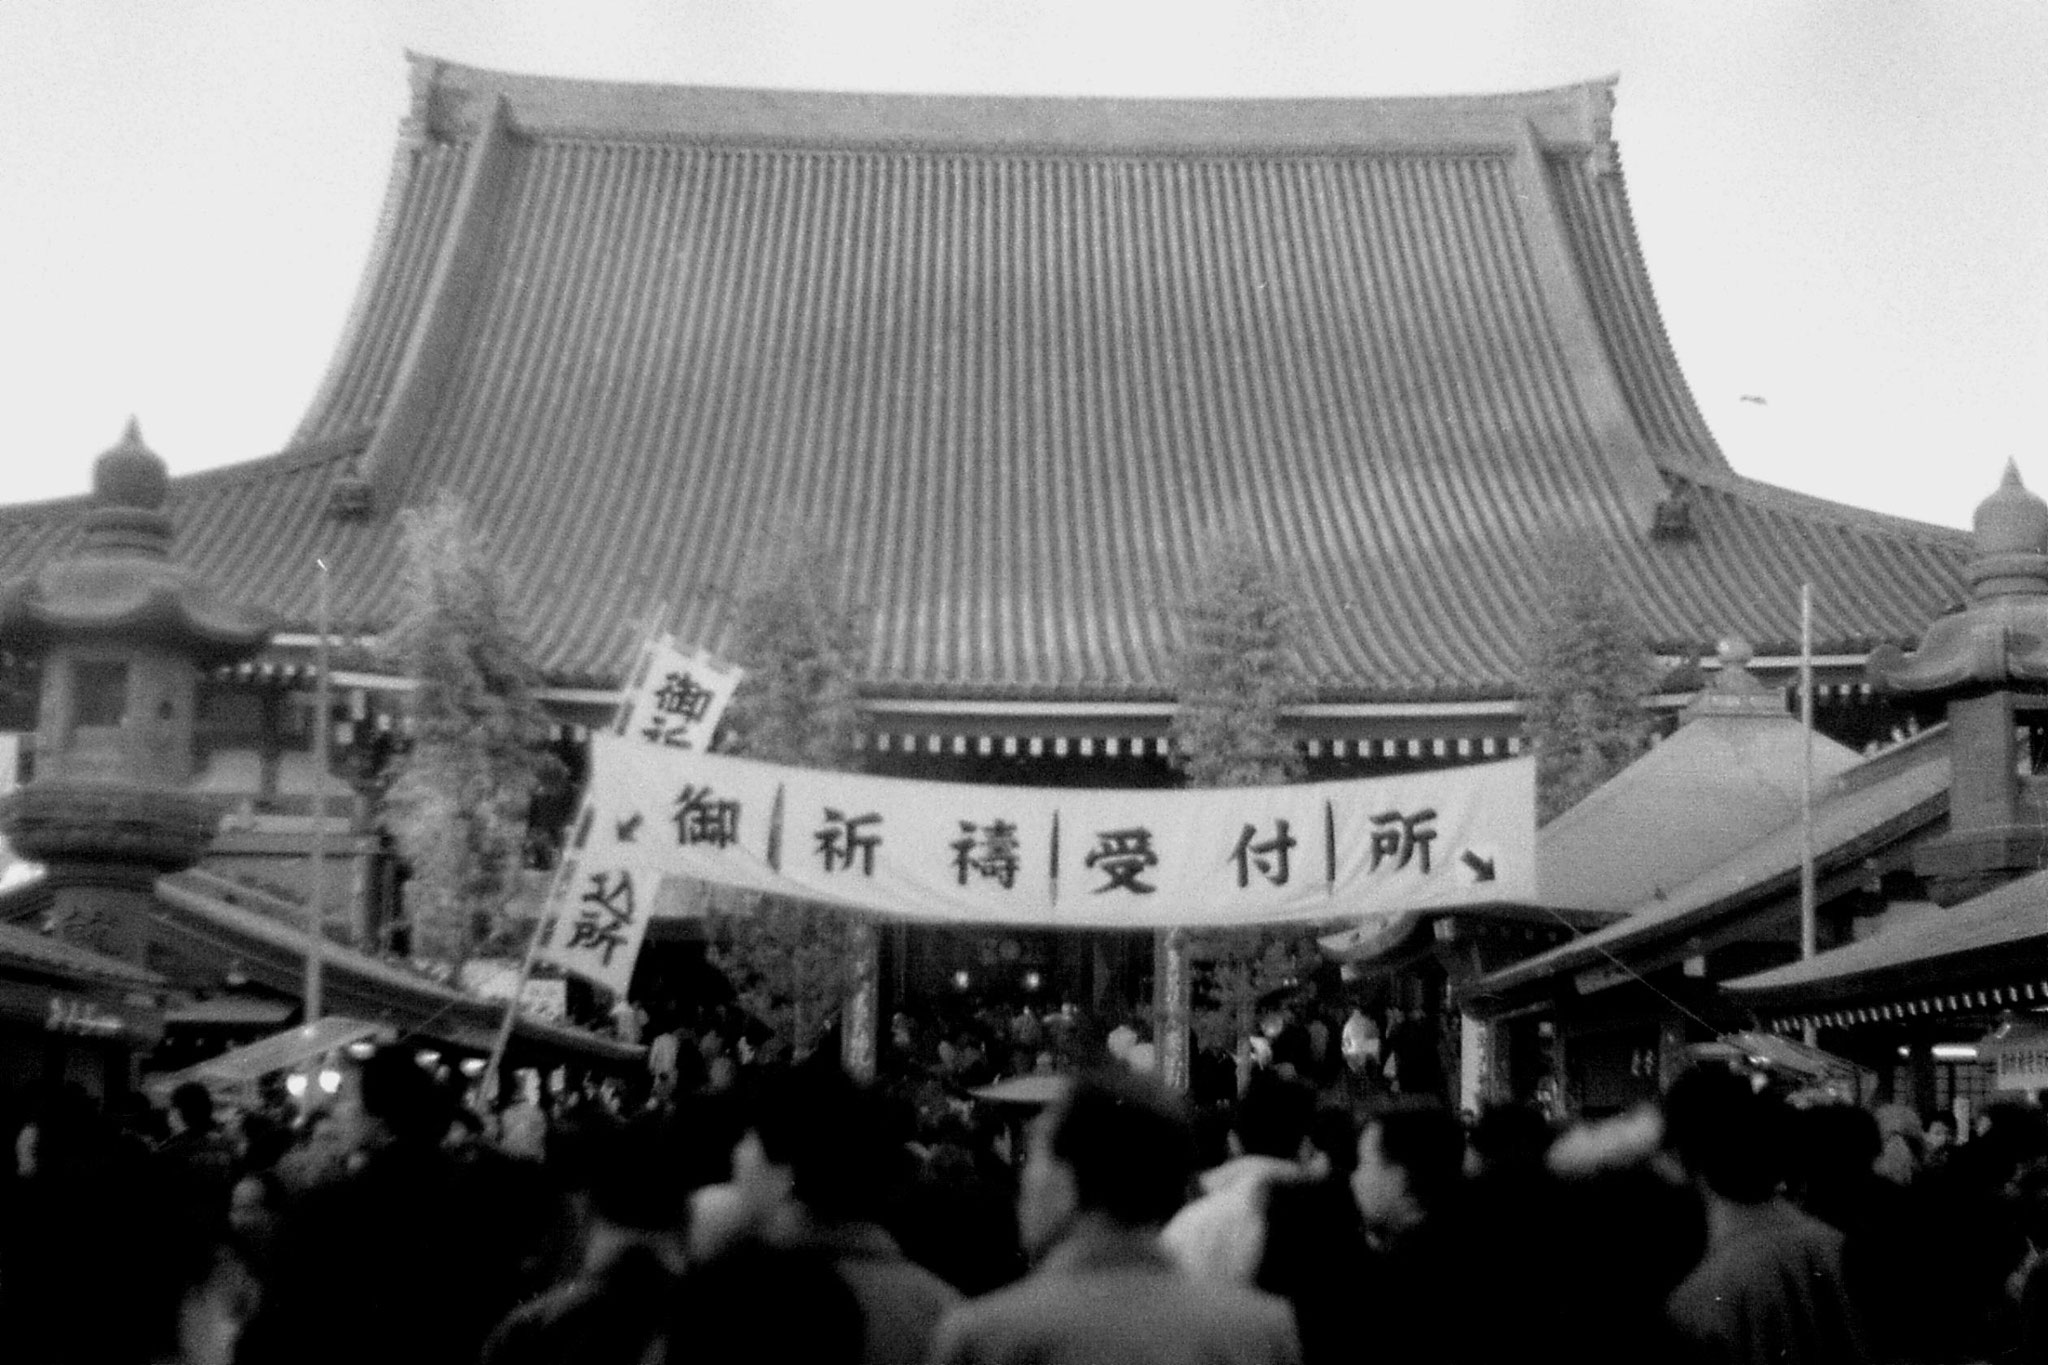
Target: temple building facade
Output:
[{"x": 1014, "y": 357}]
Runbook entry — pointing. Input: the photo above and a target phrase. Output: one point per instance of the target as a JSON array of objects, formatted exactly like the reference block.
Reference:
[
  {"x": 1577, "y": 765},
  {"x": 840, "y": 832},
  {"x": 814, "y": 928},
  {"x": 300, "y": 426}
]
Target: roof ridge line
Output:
[
  {"x": 450, "y": 296},
  {"x": 272, "y": 463},
  {"x": 453, "y": 97},
  {"x": 1576, "y": 324},
  {"x": 1793, "y": 501}
]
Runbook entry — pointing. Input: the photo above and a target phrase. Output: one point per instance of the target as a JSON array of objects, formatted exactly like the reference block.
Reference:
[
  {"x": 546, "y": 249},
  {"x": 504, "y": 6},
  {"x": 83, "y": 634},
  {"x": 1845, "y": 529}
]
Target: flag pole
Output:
[
  {"x": 503, "y": 1039},
  {"x": 1809, "y": 909},
  {"x": 657, "y": 619},
  {"x": 316, "y": 898}
]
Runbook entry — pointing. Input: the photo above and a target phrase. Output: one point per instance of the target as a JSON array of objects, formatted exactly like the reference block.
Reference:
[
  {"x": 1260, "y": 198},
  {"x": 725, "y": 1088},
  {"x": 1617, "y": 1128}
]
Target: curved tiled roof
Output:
[
  {"x": 1012, "y": 355},
  {"x": 2000, "y": 931}
]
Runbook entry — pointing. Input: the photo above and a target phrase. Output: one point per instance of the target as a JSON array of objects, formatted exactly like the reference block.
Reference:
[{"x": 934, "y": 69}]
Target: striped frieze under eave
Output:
[
  {"x": 2020, "y": 993},
  {"x": 1420, "y": 731}
]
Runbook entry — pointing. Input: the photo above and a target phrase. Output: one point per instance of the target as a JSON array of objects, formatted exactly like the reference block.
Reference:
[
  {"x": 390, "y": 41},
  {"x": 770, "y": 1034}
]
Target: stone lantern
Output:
[
  {"x": 1989, "y": 664},
  {"x": 124, "y": 636}
]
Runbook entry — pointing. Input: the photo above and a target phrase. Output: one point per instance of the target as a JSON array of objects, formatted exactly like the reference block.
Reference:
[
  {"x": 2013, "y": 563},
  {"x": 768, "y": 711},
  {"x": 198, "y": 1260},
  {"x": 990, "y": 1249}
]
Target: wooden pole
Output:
[
  {"x": 316, "y": 896},
  {"x": 503, "y": 1039},
  {"x": 1809, "y": 908},
  {"x": 1173, "y": 1003},
  {"x": 656, "y": 619},
  {"x": 860, "y": 1016}
]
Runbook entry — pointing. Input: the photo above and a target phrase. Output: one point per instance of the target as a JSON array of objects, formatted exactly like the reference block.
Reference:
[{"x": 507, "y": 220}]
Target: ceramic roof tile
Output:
[{"x": 1013, "y": 356}]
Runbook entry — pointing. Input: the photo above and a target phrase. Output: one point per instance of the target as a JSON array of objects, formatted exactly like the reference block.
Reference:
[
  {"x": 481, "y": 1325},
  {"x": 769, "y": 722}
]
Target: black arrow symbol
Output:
[
  {"x": 1482, "y": 868},
  {"x": 630, "y": 826}
]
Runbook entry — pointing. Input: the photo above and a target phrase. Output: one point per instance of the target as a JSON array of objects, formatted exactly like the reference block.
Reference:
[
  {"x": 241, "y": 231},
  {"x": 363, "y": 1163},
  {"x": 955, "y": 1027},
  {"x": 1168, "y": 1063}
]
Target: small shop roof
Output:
[
  {"x": 23, "y": 949},
  {"x": 1903, "y": 789},
  {"x": 197, "y": 918},
  {"x": 1708, "y": 792},
  {"x": 2003, "y": 932}
]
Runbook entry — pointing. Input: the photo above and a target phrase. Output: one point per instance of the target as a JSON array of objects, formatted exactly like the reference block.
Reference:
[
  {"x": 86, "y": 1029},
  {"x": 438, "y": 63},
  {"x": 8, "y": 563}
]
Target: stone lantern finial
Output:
[{"x": 129, "y": 487}]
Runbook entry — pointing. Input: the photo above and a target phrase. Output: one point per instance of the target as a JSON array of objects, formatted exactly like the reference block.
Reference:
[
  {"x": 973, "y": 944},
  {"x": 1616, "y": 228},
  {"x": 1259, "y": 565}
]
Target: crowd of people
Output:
[{"x": 788, "y": 1213}]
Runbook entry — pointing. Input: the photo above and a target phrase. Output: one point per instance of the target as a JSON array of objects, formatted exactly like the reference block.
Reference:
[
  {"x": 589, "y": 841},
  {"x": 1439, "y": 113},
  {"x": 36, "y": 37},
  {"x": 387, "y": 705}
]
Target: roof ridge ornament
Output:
[{"x": 1735, "y": 691}]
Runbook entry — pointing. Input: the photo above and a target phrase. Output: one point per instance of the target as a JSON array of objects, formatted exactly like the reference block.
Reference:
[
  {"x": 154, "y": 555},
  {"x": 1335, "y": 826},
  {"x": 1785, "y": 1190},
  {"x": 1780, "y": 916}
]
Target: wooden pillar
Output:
[
  {"x": 1172, "y": 1004},
  {"x": 860, "y": 1015},
  {"x": 1673, "y": 1055}
]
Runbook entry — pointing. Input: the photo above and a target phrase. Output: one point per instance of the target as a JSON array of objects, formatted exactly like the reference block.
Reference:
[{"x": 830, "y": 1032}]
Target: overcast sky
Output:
[{"x": 1844, "y": 205}]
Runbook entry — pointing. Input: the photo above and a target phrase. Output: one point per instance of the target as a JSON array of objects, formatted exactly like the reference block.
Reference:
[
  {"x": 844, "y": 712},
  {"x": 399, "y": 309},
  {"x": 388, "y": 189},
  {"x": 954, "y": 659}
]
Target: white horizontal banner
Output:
[{"x": 1119, "y": 858}]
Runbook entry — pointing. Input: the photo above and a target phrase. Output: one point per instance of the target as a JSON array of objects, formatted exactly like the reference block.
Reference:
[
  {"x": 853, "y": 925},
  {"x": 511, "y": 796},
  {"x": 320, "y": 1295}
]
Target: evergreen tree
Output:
[
  {"x": 1588, "y": 673},
  {"x": 459, "y": 802},
  {"x": 1238, "y": 667},
  {"x": 802, "y": 649}
]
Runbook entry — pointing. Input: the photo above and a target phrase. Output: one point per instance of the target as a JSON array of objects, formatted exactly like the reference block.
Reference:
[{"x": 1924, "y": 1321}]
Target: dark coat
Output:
[
  {"x": 901, "y": 1302},
  {"x": 410, "y": 1259},
  {"x": 1104, "y": 1298},
  {"x": 1771, "y": 1288}
]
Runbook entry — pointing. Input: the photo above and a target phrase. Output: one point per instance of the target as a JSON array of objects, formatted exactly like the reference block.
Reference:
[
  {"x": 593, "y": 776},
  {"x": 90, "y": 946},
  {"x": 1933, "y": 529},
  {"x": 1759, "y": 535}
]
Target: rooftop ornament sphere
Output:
[
  {"x": 2013, "y": 520},
  {"x": 131, "y": 474}
]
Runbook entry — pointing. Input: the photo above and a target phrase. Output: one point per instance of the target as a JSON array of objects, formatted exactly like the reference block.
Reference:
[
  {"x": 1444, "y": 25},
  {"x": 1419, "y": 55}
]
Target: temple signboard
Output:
[{"x": 958, "y": 853}]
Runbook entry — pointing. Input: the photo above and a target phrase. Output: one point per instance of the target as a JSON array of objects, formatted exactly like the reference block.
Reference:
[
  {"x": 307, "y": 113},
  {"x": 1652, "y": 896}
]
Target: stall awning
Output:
[
  {"x": 284, "y": 1051},
  {"x": 231, "y": 1012},
  {"x": 1786, "y": 1056}
]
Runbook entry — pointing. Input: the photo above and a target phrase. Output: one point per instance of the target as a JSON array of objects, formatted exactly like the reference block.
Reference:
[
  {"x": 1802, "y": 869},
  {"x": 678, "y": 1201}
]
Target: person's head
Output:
[
  {"x": 1411, "y": 1158},
  {"x": 1273, "y": 1116},
  {"x": 1939, "y": 1134},
  {"x": 1729, "y": 1136},
  {"x": 1333, "y": 1142},
  {"x": 1509, "y": 1139},
  {"x": 633, "y": 1175},
  {"x": 394, "y": 1100},
  {"x": 254, "y": 1206},
  {"x": 1834, "y": 1147},
  {"x": 192, "y": 1108},
  {"x": 835, "y": 1147},
  {"x": 1117, "y": 1146}
]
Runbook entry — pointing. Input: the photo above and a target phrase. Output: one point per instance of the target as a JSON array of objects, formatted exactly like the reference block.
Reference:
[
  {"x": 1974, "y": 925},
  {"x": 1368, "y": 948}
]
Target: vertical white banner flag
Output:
[
  {"x": 598, "y": 907},
  {"x": 674, "y": 699},
  {"x": 597, "y": 918}
]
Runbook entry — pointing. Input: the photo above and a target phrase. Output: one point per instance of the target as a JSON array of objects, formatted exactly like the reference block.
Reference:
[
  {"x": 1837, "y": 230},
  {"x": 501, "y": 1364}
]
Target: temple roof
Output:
[
  {"x": 1012, "y": 356},
  {"x": 1998, "y": 934}
]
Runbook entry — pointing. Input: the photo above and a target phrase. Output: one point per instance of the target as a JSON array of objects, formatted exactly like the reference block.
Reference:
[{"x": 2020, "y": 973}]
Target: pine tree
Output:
[
  {"x": 802, "y": 650},
  {"x": 1589, "y": 668},
  {"x": 459, "y": 802},
  {"x": 1237, "y": 669}
]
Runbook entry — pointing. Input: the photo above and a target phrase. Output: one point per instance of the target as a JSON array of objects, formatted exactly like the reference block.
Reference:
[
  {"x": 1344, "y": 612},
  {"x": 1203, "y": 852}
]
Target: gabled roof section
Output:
[
  {"x": 1704, "y": 795},
  {"x": 1012, "y": 356},
  {"x": 2006, "y": 927},
  {"x": 196, "y": 916},
  {"x": 23, "y": 949},
  {"x": 1878, "y": 801}
]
